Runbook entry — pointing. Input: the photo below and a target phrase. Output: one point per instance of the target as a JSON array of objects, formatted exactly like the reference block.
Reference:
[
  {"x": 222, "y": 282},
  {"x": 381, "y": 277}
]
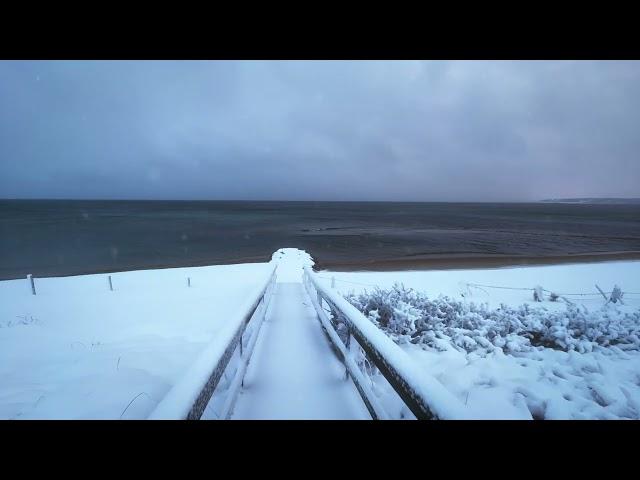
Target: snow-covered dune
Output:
[{"x": 79, "y": 350}]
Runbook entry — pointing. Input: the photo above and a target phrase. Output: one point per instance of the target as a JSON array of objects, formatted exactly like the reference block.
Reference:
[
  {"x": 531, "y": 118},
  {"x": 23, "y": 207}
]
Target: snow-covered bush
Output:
[{"x": 443, "y": 323}]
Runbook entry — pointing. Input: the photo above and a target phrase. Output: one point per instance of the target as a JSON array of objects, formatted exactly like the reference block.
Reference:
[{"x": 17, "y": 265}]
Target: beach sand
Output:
[{"x": 450, "y": 262}]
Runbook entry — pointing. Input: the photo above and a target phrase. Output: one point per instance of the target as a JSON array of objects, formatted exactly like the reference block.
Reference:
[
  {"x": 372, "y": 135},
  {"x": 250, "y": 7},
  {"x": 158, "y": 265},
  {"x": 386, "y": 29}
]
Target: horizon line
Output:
[{"x": 547, "y": 200}]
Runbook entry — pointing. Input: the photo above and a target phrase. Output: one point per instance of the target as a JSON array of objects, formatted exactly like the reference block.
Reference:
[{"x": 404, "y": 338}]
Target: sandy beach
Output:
[{"x": 451, "y": 262}]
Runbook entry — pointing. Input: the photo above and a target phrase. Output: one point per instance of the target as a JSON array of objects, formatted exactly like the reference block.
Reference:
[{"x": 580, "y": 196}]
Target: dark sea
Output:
[{"x": 51, "y": 238}]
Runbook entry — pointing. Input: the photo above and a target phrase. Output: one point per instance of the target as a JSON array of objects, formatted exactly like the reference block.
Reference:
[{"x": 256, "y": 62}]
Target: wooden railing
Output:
[
  {"x": 422, "y": 394},
  {"x": 191, "y": 395}
]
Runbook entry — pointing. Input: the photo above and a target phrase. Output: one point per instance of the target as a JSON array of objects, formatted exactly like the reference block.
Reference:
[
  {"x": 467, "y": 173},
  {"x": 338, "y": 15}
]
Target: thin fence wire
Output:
[
  {"x": 594, "y": 294},
  {"x": 347, "y": 281},
  {"x": 545, "y": 290},
  {"x": 496, "y": 286}
]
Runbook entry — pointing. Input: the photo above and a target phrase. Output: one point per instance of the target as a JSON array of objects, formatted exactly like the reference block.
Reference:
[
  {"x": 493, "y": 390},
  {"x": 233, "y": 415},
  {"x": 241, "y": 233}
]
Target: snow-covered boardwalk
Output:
[{"x": 293, "y": 373}]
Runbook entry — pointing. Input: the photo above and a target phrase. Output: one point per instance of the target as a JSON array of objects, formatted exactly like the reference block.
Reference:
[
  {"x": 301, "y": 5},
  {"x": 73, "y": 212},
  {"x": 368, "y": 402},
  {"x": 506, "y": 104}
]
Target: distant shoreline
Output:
[
  {"x": 594, "y": 201},
  {"x": 432, "y": 262}
]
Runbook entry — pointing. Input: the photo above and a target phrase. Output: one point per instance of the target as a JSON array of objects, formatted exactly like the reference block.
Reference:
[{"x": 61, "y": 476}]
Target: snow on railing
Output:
[
  {"x": 422, "y": 393},
  {"x": 188, "y": 398}
]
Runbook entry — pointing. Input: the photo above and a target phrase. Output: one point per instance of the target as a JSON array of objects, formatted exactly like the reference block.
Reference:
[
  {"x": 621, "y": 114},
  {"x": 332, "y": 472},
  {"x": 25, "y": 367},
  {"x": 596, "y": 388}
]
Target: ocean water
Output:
[{"x": 63, "y": 237}]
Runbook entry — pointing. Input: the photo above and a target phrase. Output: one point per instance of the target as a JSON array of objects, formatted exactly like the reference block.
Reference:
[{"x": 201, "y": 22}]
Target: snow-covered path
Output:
[{"x": 293, "y": 373}]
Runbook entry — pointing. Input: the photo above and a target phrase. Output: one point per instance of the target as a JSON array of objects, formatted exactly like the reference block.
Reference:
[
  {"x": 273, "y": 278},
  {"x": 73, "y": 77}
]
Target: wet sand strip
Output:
[
  {"x": 464, "y": 262},
  {"x": 425, "y": 262}
]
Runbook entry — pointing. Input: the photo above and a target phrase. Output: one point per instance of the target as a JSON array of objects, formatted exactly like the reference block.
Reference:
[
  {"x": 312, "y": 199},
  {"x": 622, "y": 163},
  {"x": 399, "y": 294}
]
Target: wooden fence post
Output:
[
  {"x": 33, "y": 285},
  {"x": 602, "y": 293}
]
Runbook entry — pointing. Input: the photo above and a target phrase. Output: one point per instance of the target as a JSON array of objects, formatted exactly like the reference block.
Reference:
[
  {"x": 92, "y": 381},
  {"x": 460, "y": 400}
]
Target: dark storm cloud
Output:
[{"x": 319, "y": 130}]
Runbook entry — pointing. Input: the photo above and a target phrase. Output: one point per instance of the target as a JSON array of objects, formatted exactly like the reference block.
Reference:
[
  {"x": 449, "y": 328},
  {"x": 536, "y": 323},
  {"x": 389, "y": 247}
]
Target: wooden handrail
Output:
[
  {"x": 191, "y": 395},
  {"x": 422, "y": 394},
  {"x": 370, "y": 400}
]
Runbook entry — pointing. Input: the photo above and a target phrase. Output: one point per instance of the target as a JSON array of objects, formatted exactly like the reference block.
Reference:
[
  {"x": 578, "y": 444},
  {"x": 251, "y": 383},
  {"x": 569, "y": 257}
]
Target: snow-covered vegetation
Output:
[
  {"x": 442, "y": 322},
  {"x": 510, "y": 356}
]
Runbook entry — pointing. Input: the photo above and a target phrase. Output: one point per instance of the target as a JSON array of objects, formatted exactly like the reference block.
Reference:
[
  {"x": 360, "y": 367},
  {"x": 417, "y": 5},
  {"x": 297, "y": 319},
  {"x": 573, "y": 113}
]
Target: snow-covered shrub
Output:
[
  {"x": 442, "y": 323},
  {"x": 616, "y": 295},
  {"x": 538, "y": 296}
]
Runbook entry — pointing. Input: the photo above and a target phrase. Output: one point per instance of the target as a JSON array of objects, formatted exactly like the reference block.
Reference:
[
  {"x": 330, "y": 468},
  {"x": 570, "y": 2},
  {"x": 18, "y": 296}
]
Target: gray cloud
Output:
[{"x": 340, "y": 130}]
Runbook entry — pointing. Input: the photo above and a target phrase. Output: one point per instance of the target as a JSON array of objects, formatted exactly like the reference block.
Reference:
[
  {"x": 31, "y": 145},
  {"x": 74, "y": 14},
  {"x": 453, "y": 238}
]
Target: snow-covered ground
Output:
[
  {"x": 536, "y": 382},
  {"x": 79, "y": 350}
]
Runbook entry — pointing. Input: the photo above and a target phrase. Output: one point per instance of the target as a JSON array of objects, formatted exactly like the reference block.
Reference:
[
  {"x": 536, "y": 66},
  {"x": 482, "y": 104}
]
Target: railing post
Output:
[
  {"x": 241, "y": 354},
  {"x": 348, "y": 342},
  {"x": 348, "y": 350}
]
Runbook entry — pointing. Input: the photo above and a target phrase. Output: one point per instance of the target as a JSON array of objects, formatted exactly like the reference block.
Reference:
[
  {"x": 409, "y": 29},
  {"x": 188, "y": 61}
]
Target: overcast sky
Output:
[{"x": 432, "y": 130}]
